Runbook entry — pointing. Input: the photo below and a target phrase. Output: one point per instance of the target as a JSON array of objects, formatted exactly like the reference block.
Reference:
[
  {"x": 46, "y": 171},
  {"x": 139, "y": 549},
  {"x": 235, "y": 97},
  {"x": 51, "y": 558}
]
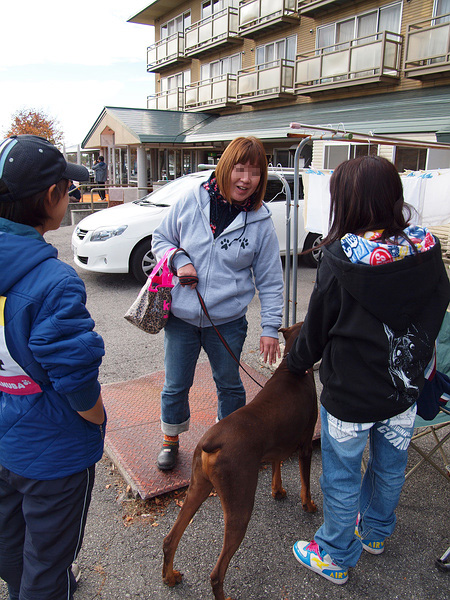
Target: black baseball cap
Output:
[{"x": 30, "y": 164}]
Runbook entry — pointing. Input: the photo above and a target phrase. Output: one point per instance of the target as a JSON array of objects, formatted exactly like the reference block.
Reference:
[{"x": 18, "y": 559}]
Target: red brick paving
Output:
[{"x": 133, "y": 437}]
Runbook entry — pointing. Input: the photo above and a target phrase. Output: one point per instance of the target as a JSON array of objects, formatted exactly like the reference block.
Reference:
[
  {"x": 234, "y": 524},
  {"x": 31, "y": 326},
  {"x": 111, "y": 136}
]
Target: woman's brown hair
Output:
[
  {"x": 367, "y": 195},
  {"x": 242, "y": 150}
]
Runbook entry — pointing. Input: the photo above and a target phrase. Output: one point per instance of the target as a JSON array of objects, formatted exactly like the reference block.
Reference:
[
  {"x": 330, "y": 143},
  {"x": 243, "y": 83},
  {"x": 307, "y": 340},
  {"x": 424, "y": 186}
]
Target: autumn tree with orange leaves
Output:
[{"x": 34, "y": 122}]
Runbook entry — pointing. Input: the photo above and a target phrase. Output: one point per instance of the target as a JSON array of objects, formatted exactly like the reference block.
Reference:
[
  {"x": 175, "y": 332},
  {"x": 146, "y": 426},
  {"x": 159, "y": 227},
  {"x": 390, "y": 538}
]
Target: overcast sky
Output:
[{"x": 70, "y": 59}]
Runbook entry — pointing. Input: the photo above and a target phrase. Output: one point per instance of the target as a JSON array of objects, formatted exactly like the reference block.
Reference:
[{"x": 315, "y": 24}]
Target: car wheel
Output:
[
  {"x": 312, "y": 258},
  {"x": 142, "y": 261}
]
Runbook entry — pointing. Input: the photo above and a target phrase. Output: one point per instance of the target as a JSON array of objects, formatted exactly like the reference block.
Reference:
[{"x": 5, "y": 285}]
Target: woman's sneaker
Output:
[
  {"x": 310, "y": 556},
  {"x": 372, "y": 546}
]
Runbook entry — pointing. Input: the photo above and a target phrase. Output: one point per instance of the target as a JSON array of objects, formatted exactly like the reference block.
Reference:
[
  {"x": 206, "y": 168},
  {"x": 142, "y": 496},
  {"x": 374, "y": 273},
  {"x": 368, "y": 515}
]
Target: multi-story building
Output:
[{"x": 225, "y": 68}]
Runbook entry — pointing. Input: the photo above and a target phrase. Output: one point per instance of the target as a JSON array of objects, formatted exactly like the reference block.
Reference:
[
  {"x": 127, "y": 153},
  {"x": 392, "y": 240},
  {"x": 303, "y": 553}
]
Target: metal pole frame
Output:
[
  {"x": 287, "y": 191},
  {"x": 293, "y": 251}
]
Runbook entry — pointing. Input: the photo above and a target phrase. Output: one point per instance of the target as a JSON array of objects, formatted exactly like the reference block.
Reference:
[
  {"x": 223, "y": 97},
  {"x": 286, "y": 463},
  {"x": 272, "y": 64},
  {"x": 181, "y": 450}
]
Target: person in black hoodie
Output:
[{"x": 375, "y": 312}]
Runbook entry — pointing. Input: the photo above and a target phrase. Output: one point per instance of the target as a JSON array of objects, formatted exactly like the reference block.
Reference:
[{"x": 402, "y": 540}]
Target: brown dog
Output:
[{"x": 278, "y": 421}]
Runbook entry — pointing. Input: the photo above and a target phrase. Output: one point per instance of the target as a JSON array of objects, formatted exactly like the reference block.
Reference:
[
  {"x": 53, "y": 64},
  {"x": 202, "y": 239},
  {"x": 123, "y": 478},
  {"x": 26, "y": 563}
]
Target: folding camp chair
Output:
[
  {"x": 443, "y": 563},
  {"x": 432, "y": 430}
]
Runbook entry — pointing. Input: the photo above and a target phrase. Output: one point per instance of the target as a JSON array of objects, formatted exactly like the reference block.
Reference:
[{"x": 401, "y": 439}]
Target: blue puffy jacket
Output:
[{"x": 49, "y": 361}]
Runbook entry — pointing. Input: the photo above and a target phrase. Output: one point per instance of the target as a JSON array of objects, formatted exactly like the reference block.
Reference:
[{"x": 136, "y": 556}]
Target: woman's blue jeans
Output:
[
  {"x": 344, "y": 495},
  {"x": 182, "y": 345}
]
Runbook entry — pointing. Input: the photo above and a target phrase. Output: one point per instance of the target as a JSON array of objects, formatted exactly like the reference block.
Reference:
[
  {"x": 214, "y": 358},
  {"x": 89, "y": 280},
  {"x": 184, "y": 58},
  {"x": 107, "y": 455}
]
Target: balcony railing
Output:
[
  {"x": 267, "y": 81},
  {"x": 256, "y": 15},
  {"x": 217, "y": 92},
  {"x": 368, "y": 59},
  {"x": 166, "y": 52},
  {"x": 218, "y": 29},
  {"x": 167, "y": 100},
  {"x": 312, "y": 8},
  {"x": 428, "y": 47}
]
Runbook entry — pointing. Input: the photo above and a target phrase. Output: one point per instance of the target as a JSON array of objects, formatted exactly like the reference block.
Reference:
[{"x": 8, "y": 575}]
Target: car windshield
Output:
[
  {"x": 275, "y": 191},
  {"x": 169, "y": 193}
]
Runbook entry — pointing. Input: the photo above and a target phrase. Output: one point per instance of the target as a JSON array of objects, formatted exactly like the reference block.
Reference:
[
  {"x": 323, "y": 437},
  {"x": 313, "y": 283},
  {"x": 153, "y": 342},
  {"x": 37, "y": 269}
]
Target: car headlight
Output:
[{"x": 106, "y": 233}]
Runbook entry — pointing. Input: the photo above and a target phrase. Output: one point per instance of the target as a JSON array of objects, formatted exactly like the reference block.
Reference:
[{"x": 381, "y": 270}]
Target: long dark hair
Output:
[{"x": 366, "y": 195}]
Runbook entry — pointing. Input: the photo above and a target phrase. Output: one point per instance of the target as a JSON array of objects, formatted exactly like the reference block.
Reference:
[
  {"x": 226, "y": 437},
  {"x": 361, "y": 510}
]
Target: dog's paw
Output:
[
  {"x": 309, "y": 506},
  {"x": 172, "y": 579},
  {"x": 279, "y": 494}
]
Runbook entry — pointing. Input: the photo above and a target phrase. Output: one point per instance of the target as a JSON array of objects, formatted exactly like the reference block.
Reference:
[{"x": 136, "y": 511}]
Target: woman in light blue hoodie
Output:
[{"x": 229, "y": 244}]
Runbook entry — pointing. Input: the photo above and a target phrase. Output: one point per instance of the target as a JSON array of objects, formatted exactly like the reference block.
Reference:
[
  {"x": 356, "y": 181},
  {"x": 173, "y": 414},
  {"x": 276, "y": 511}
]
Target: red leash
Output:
[{"x": 188, "y": 280}]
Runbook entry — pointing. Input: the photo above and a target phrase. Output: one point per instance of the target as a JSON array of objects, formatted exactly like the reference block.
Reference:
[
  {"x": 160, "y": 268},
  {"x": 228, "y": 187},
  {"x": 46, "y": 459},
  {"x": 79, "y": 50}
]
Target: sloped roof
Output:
[
  {"x": 413, "y": 112},
  {"x": 153, "y": 10},
  {"x": 150, "y": 125},
  {"x": 422, "y": 111}
]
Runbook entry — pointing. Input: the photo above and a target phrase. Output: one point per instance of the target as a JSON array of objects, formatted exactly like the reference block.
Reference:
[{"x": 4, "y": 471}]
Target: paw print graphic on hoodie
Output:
[{"x": 225, "y": 244}]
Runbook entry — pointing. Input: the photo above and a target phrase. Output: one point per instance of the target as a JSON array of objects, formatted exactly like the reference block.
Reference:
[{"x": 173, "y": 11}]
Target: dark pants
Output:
[
  {"x": 41, "y": 531},
  {"x": 102, "y": 190}
]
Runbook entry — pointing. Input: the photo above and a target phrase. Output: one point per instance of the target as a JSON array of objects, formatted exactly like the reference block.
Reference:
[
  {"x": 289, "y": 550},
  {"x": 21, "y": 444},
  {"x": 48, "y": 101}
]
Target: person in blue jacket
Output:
[
  {"x": 51, "y": 411},
  {"x": 101, "y": 175},
  {"x": 227, "y": 240},
  {"x": 74, "y": 192}
]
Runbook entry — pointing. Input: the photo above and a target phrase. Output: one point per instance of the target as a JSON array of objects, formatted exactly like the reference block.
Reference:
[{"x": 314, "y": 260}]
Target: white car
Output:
[{"x": 118, "y": 239}]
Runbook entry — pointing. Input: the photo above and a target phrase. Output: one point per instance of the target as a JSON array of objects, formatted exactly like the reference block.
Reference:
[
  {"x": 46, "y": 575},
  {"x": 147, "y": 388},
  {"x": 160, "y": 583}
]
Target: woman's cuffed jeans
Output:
[
  {"x": 182, "y": 345},
  {"x": 344, "y": 495}
]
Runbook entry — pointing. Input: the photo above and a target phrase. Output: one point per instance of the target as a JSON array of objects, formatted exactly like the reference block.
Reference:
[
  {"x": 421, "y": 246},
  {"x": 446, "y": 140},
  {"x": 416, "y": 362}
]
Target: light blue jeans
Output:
[
  {"x": 344, "y": 496},
  {"x": 182, "y": 345}
]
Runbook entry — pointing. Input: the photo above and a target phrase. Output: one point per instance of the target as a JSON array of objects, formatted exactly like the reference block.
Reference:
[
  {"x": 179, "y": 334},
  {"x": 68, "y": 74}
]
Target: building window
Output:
[
  {"x": 410, "y": 159},
  {"x": 387, "y": 18},
  {"x": 441, "y": 7},
  {"x": 210, "y": 7},
  {"x": 176, "y": 25},
  {"x": 337, "y": 153},
  {"x": 178, "y": 80},
  {"x": 229, "y": 64},
  {"x": 275, "y": 51}
]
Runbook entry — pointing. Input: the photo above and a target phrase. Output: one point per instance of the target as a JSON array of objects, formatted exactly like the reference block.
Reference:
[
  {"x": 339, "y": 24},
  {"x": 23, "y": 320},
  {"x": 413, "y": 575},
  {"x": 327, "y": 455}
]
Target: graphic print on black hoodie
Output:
[{"x": 404, "y": 362}]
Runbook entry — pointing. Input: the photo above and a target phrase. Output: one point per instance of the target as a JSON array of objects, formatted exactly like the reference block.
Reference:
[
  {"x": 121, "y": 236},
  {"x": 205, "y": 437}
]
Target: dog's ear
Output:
[
  {"x": 292, "y": 330},
  {"x": 290, "y": 334}
]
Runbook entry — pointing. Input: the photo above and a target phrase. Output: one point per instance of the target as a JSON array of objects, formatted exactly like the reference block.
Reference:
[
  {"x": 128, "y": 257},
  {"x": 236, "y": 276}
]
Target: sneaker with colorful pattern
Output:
[
  {"x": 372, "y": 546},
  {"x": 310, "y": 556}
]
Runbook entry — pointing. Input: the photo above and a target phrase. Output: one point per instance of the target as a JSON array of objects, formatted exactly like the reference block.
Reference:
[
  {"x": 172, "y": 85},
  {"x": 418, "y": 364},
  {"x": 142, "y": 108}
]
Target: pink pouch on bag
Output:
[{"x": 151, "y": 308}]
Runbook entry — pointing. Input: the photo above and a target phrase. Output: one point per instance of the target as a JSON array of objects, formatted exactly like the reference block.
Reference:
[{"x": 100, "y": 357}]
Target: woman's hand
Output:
[
  {"x": 270, "y": 349},
  {"x": 187, "y": 271}
]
